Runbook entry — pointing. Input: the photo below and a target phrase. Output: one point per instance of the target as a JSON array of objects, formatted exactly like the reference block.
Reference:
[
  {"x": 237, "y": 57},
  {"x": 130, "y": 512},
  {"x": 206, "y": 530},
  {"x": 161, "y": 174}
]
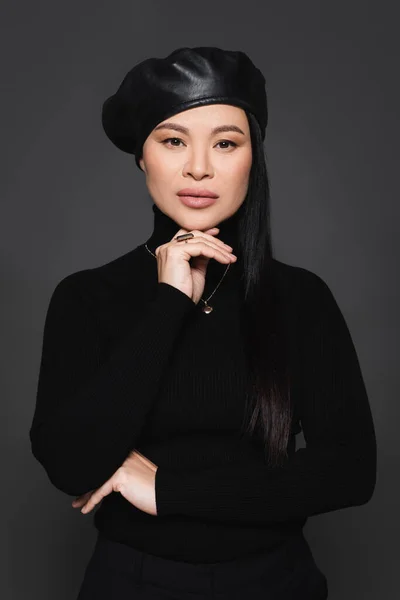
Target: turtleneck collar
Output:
[{"x": 164, "y": 228}]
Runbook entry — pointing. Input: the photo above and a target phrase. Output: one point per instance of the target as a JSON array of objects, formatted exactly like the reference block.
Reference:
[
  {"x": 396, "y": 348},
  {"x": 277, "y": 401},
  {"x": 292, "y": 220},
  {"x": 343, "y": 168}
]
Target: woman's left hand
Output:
[{"x": 135, "y": 480}]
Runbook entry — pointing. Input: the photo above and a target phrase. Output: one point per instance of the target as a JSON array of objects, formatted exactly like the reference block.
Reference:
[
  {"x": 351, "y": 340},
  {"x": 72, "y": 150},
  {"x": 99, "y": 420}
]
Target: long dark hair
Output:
[{"x": 264, "y": 326}]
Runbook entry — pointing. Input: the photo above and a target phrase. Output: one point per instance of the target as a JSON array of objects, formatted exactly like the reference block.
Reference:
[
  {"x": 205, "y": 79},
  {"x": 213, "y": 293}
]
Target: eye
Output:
[
  {"x": 169, "y": 139},
  {"x": 233, "y": 144},
  {"x": 175, "y": 139}
]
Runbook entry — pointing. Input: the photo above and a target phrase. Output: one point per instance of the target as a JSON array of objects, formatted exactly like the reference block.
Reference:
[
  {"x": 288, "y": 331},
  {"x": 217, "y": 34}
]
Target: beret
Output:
[{"x": 157, "y": 88}]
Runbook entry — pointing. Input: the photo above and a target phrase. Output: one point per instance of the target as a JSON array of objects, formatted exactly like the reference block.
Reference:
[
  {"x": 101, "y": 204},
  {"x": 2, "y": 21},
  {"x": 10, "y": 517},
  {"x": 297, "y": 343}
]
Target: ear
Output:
[{"x": 141, "y": 163}]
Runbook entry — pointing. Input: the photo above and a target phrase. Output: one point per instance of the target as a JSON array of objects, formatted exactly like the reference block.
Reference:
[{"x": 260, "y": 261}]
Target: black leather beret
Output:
[{"x": 157, "y": 88}]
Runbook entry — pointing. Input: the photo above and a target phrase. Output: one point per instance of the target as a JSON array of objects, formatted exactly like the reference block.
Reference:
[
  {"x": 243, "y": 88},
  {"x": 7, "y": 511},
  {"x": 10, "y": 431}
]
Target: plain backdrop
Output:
[{"x": 71, "y": 200}]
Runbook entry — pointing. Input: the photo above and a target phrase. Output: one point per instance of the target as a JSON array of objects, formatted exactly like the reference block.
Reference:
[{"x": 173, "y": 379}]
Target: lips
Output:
[
  {"x": 197, "y": 201},
  {"x": 197, "y": 193}
]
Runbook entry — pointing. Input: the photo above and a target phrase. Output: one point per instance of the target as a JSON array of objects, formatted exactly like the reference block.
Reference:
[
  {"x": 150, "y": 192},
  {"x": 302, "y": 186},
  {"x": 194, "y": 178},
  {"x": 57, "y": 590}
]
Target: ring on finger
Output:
[{"x": 184, "y": 237}]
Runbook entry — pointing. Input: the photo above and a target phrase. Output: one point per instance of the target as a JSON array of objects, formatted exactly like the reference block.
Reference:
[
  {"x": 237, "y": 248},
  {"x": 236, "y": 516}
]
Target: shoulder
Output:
[
  {"x": 300, "y": 281},
  {"x": 312, "y": 304},
  {"x": 115, "y": 278},
  {"x": 307, "y": 296}
]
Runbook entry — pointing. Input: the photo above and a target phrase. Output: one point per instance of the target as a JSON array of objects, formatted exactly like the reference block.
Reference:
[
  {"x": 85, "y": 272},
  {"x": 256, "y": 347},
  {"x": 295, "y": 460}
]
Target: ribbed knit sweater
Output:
[{"x": 130, "y": 362}]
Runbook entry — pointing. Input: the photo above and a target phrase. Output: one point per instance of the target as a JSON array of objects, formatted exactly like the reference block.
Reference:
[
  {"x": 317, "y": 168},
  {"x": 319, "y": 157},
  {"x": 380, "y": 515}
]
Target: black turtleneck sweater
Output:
[{"x": 129, "y": 362}]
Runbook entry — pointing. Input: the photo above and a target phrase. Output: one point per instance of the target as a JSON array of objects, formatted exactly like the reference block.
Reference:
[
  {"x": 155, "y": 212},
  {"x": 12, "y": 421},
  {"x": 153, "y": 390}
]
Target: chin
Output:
[{"x": 197, "y": 218}]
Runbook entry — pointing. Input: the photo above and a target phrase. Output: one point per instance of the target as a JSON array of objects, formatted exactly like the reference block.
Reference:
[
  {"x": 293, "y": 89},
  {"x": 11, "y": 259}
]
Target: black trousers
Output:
[{"x": 117, "y": 571}]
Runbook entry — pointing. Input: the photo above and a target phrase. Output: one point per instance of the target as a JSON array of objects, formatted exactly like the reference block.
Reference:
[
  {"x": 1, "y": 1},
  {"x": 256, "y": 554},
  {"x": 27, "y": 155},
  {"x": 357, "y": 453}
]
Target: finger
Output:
[
  {"x": 78, "y": 502},
  {"x": 211, "y": 241},
  {"x": 209, "y": 238},
  {"x": 206, "y": 235},
  {"x": 198, "y": 247},
  {"x": 211, "y": 233},
  {"x": 98, "y": 496},
  {"x": 81, "y": 500}
]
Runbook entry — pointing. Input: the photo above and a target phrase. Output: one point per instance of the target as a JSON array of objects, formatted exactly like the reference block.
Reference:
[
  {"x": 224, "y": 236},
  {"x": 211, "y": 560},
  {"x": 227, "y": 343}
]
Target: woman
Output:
[{"x": 174, "y": 378}]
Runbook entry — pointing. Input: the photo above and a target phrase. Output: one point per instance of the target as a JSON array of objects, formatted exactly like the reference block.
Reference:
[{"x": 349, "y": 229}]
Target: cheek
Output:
[
  {"x": 238, "y": 173},
  {"x": 158, "y": 169},
  {"x": 154, "y": 158}
]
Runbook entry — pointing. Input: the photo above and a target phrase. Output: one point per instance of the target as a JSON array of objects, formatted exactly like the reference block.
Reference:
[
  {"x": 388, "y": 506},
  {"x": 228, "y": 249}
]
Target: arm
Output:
[
  {"x": 90, "y": 411},
  {"x": 337, "y": 469}
]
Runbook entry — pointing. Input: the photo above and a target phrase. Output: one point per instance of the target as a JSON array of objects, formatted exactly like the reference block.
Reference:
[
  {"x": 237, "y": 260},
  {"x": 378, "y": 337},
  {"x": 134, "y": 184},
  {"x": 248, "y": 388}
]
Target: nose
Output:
[{"x": 198, "y": 163}]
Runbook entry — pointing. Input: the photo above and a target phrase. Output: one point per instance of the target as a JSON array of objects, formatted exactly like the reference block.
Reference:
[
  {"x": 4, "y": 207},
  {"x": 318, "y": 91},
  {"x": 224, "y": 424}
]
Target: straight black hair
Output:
[{"x": 264, "y": 326}]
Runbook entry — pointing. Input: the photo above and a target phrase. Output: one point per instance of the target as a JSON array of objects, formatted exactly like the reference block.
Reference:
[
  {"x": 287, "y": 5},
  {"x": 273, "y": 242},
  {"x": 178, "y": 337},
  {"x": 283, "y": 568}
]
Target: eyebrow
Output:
[{"x": 182, "y": 129}]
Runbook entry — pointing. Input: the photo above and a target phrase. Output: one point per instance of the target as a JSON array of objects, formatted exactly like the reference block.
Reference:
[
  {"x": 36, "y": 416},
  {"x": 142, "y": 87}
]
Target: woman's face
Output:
[{"x": 185, "y": 151}]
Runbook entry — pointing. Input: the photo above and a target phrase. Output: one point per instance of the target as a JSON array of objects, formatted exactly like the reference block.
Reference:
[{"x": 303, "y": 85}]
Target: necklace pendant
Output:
[{"x": 207, "y": 309}]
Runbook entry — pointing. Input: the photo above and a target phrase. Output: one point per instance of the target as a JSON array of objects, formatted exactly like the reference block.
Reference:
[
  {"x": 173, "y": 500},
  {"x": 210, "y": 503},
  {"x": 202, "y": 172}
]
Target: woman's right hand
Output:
[{"x": 173, "y": 260}]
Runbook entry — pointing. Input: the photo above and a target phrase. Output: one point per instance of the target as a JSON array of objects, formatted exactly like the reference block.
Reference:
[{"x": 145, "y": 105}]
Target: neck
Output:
[{"x": 164, "y": 228}]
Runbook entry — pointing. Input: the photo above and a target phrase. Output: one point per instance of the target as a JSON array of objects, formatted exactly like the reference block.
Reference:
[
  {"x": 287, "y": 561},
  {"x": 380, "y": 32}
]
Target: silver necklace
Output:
[{"x": 206, "y": 308}]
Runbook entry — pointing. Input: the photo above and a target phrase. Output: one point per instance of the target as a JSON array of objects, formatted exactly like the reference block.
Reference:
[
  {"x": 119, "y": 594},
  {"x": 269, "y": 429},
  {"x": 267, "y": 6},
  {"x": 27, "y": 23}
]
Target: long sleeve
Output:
[
  {"x": 89, "y": 412},
  {"x": 336, "y": 469}
]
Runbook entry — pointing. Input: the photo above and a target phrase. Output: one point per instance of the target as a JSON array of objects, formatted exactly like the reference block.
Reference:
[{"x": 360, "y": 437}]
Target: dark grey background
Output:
[{"x": 71, "y": 200}]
